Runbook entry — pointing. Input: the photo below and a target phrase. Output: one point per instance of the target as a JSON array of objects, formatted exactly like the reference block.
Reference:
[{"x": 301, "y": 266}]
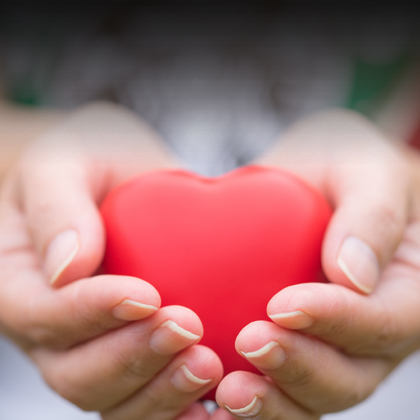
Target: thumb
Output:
[
  {"x": 62, "y": 217},
  {"x": 67, "y": 172},
  {"x": 372, "y": 204},
  {"x": 366, "y": 181}
]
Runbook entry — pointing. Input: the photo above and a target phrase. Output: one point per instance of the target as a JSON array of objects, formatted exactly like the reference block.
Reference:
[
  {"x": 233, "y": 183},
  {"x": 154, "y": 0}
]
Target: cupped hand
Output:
[
  {"x": 102, "y": 342},
  {"x": 330, "y": 345}
]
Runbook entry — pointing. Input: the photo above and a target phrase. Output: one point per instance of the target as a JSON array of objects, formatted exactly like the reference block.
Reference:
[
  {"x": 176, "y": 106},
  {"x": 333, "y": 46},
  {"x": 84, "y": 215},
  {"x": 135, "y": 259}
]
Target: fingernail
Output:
[
  {"x": 169, "y": 338},
  {"x": 60, "y": 253},
  {"x": 130, "y": 310},
  {"x": 359, "y": 264},
  {"x": 295, "y": 320},
  {"x": 271, "y": 356},
  {"x": 250, "y": 410},
  {"x": 185, "y": 381}
]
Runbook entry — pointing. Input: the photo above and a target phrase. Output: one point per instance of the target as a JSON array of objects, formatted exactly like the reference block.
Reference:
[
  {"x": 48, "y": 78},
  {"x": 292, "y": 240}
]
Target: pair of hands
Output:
[{"x": 101, "y": 341}]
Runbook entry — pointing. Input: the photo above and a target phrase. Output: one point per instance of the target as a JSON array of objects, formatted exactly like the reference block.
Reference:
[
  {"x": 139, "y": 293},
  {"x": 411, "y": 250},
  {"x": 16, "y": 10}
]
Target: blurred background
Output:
[{"x": 220, "y": 81}]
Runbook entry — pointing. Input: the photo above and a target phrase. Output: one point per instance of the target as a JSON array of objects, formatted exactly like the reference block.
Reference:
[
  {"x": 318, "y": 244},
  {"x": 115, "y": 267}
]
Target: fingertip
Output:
[
  {"x": 294, "y": 320},
  {"x": 140, "y": 301},
  {"x": 195, "y": 412},
  {"x": 221, "y": 414},
  {"x": 253, "y": 336},
  {"x": 241, "y": 393},
  {"x": 372, "y": 207},
  {"x": 307, "y": 307},
  {"x": 284, "y": 300},
  {"x": 204, "y": 363},
  {"x": 183, "y": 317},
  {"x": 75, "y": 252},
  {"x": 359, "y": 264},
  {"x": 60, "y": 253},
  {"x": 126, "y": 298},
  {"x": 131, "y": 310},
  {"x": 351, "y": 263},
  {"x": 174, "y": 328},
  {"x": 60, "y": 208},
  {"x": 259, "y": 344},
  {"x": 295, "y": 307}
]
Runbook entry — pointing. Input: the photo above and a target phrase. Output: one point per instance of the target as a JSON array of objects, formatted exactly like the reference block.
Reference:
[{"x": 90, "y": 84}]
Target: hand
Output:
[
  {"x": 100, "y": 341},
  {"x": 330, "y": 345}
]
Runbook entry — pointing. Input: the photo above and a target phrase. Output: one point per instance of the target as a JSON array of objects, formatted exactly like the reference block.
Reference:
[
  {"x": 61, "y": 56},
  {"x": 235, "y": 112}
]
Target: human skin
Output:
[
  {"x": 95, "y": 348},
  {"x": 20, "y": 125},
  {"x": 96, "y": 339},
  {"x": 330, "y": 346}
]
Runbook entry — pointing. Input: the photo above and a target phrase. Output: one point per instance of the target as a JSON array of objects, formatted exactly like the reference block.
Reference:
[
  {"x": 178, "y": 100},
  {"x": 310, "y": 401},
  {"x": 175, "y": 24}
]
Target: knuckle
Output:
[
  {"x": 36, "y": 328},
  {"x": 43, "y": 335},
  {"x": 88, "y": 320},
  {"x": 381, "y": 337},
  {"x": 390, "y": 220},
  {"x": 300, "y": 376},
  {"x": 384, "y": 339},
  {"x": 44, "y": 332},
  {"x": 337, "y": 330},
  {"x": 354, "y": 395},
  {"x": 134, "y": 367},
  {"x": 49, "y": 337},
  {"x": 168, "y": 407},
  {"x": 364, "y": 385},
  {"x": 68, "y": 387},
  {"x": 337, "y": 314}
]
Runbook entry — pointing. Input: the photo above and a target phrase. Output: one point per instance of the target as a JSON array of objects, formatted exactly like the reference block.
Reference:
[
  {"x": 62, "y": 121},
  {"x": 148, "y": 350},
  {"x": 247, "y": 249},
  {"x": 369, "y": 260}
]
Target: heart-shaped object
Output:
[{"x": 221, "y": 246}]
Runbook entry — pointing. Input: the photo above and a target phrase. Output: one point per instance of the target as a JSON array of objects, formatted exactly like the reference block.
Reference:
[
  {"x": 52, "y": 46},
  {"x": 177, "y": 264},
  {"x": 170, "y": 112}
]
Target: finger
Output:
[
  {"x": 85, "y": 309},
  {"x": 195, "y": 412},
  {"x": 188, "y": 377},
  {"x": 372, "y": 205},
  {"x": 61, "y": 212},
  {"x": 312, "y": 373},
  {"x": 34, "y": 314},
  {"x": 384, "y": 323},
  {"x": 67, "y": 172},
  {"x": 100, "y": 373},
  {"x": 348, "y": 159},
  {"x": 246, "y": 395},
  {"x": 221, "y": 414}
]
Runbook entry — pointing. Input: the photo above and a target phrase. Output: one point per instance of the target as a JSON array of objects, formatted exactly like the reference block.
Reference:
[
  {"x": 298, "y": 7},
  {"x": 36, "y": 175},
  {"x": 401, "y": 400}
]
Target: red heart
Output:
[{"x": 220, "y": 246}]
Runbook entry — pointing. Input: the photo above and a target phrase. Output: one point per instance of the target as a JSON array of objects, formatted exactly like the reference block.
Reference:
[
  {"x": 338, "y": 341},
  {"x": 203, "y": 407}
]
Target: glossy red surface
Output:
[{"x": 220, "y": 246}]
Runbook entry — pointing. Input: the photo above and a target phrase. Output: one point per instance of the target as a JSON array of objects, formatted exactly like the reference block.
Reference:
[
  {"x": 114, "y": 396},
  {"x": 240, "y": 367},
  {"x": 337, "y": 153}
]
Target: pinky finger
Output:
[
  {"x": 221, "y": 414},
  {"x": 195, "y": 412},
  {"x": 246, "y": 395},
  {"x": 177, "y": 387}
]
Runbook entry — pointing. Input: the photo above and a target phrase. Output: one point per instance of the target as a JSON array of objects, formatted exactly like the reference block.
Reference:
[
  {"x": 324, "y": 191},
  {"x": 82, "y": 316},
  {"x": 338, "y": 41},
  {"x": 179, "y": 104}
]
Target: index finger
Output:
[{"x": 386, "y": 323}]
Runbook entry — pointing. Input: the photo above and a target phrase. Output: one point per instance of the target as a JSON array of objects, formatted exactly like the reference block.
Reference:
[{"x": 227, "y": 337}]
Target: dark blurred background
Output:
[{"x": 218, "y": 79}]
